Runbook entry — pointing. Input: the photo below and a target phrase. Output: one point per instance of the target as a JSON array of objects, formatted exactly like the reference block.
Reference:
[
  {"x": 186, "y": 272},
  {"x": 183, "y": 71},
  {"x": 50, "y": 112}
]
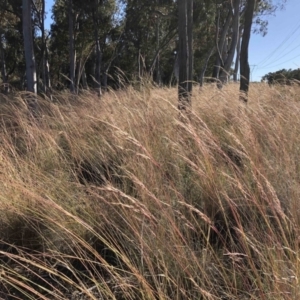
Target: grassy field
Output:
[{"x": 123, "y": 198}]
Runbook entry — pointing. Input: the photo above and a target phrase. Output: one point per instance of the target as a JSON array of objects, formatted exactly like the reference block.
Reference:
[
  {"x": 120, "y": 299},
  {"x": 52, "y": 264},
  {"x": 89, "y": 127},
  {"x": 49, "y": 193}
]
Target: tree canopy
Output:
[
  {"x": 91, "y": 43},
  {"x": 282, "y": 77}
]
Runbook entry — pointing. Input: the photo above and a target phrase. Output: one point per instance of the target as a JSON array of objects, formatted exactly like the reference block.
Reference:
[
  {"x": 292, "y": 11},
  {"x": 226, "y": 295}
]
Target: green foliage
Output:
[
  {"x": 88, "y": 17},
  {"x": 138, "y": 38},
  {"x": 282, "y": 76},
  {"x": 12, "y": 41}
]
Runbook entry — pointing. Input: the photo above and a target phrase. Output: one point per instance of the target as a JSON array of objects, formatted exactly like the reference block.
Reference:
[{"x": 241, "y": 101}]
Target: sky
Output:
[{"x": 279, "y": 49}]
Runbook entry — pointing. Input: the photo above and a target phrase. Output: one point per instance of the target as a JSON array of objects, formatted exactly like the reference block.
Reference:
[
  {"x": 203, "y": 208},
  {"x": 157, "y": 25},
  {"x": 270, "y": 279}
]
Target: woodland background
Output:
[{"x": 101, "y": 43}]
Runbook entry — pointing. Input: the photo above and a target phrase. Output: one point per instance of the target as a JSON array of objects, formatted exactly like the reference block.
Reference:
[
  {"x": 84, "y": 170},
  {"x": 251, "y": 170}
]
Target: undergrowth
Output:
[{"x": 123, "y": 198}]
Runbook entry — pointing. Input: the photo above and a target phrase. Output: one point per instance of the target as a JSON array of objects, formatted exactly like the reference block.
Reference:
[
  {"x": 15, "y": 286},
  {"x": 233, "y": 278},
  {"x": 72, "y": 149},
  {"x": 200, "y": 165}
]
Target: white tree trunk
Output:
[
  {"x": 225, "y": 72},
  {"x": 237, "y": 59},
  {"x": 221, "y": 44}
]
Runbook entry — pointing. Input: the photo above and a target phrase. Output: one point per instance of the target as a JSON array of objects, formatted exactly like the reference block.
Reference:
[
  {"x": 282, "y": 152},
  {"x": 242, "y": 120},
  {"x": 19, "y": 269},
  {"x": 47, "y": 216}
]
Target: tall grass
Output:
[{"x": 123, "y": 198}]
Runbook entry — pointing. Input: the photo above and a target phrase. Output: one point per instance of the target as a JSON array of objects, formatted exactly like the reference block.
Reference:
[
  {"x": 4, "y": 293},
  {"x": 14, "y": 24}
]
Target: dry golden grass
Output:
[{"x": 123, "y": 198}]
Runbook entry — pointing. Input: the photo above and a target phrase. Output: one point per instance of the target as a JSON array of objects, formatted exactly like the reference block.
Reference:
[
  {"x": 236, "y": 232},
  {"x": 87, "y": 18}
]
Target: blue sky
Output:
[
  {"x": 279, "y": 49},
  {"x": 48, "y": 21}
]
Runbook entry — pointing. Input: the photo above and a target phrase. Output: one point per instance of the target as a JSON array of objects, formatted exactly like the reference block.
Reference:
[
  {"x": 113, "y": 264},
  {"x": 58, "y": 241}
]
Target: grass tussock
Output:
[{"x": 122, "y": 198}]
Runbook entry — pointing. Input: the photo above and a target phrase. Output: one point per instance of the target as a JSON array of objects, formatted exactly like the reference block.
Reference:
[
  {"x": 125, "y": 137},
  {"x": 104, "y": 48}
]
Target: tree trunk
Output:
[
  {"x": 71, "y": 47},
  {"x": 104, "y": 81},
  {"x": 42, "y": 18},
  {"x": 203, "y": 70},
  {"x": 44, "y": 52},
  {"x": 158, "y": 76},
  {"x": 28, "y": 47},
  {"x": 98, "y": 50},
  {"x": 81, "y": 76},
  {"x": 244, "y": 64},
  {"x": 98, "y": 64},
  {"x": 176, "y": 67},
  {"x": 237, "y": 59},
  {"x": 29, "y": 55},
  {"x": 190, "y": 44},
  {"x": 225, "y": 72},
  {"x": 78, "y": 73},
  {"x": 3, "y": 69},
  {"x": 160, "y": 46},
  {"x": 221, "y": 44},
  {"x": 84, "y": 80},
  {"x": 47, "y": 73},
  {"x": 185, "y": 53}
]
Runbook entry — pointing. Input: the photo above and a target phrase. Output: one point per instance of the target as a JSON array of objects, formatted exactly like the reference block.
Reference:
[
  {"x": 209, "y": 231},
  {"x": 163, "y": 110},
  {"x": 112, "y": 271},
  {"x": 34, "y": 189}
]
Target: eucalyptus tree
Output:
[
  {"x": 31, "y": 79},
  {"x": 98, "y": 52},
  {"x": 224, "y": 16},
  {"x": 228, "y": 40},
  {"x": 203, "y": 31},
  {"x": 244, "y": 64},
  {"x": 3, "y": 65},
  {"x": 237, "y": 56},
  {"x": 89, "y": 39},
  {"x": 82, "y": 41},
  {"x": 234, "y": 38},
  {"x": 102, "y": 12},
  {"x": 43, "y": 51},
  {"x": 185, "y": 53},
  {"x": 3, "y": 29},
  {"x": 230, "y": 22},
  {"x": 254, "y": 10},
  {"x": 149, "y": 39},
  {"x": 72, "y": 53},
  {"x": 60, "y": 45},
  {"x": 28, "y": 47},
  {"x": 11, "y": 44},
  {"x": 65, "y": 42}
]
